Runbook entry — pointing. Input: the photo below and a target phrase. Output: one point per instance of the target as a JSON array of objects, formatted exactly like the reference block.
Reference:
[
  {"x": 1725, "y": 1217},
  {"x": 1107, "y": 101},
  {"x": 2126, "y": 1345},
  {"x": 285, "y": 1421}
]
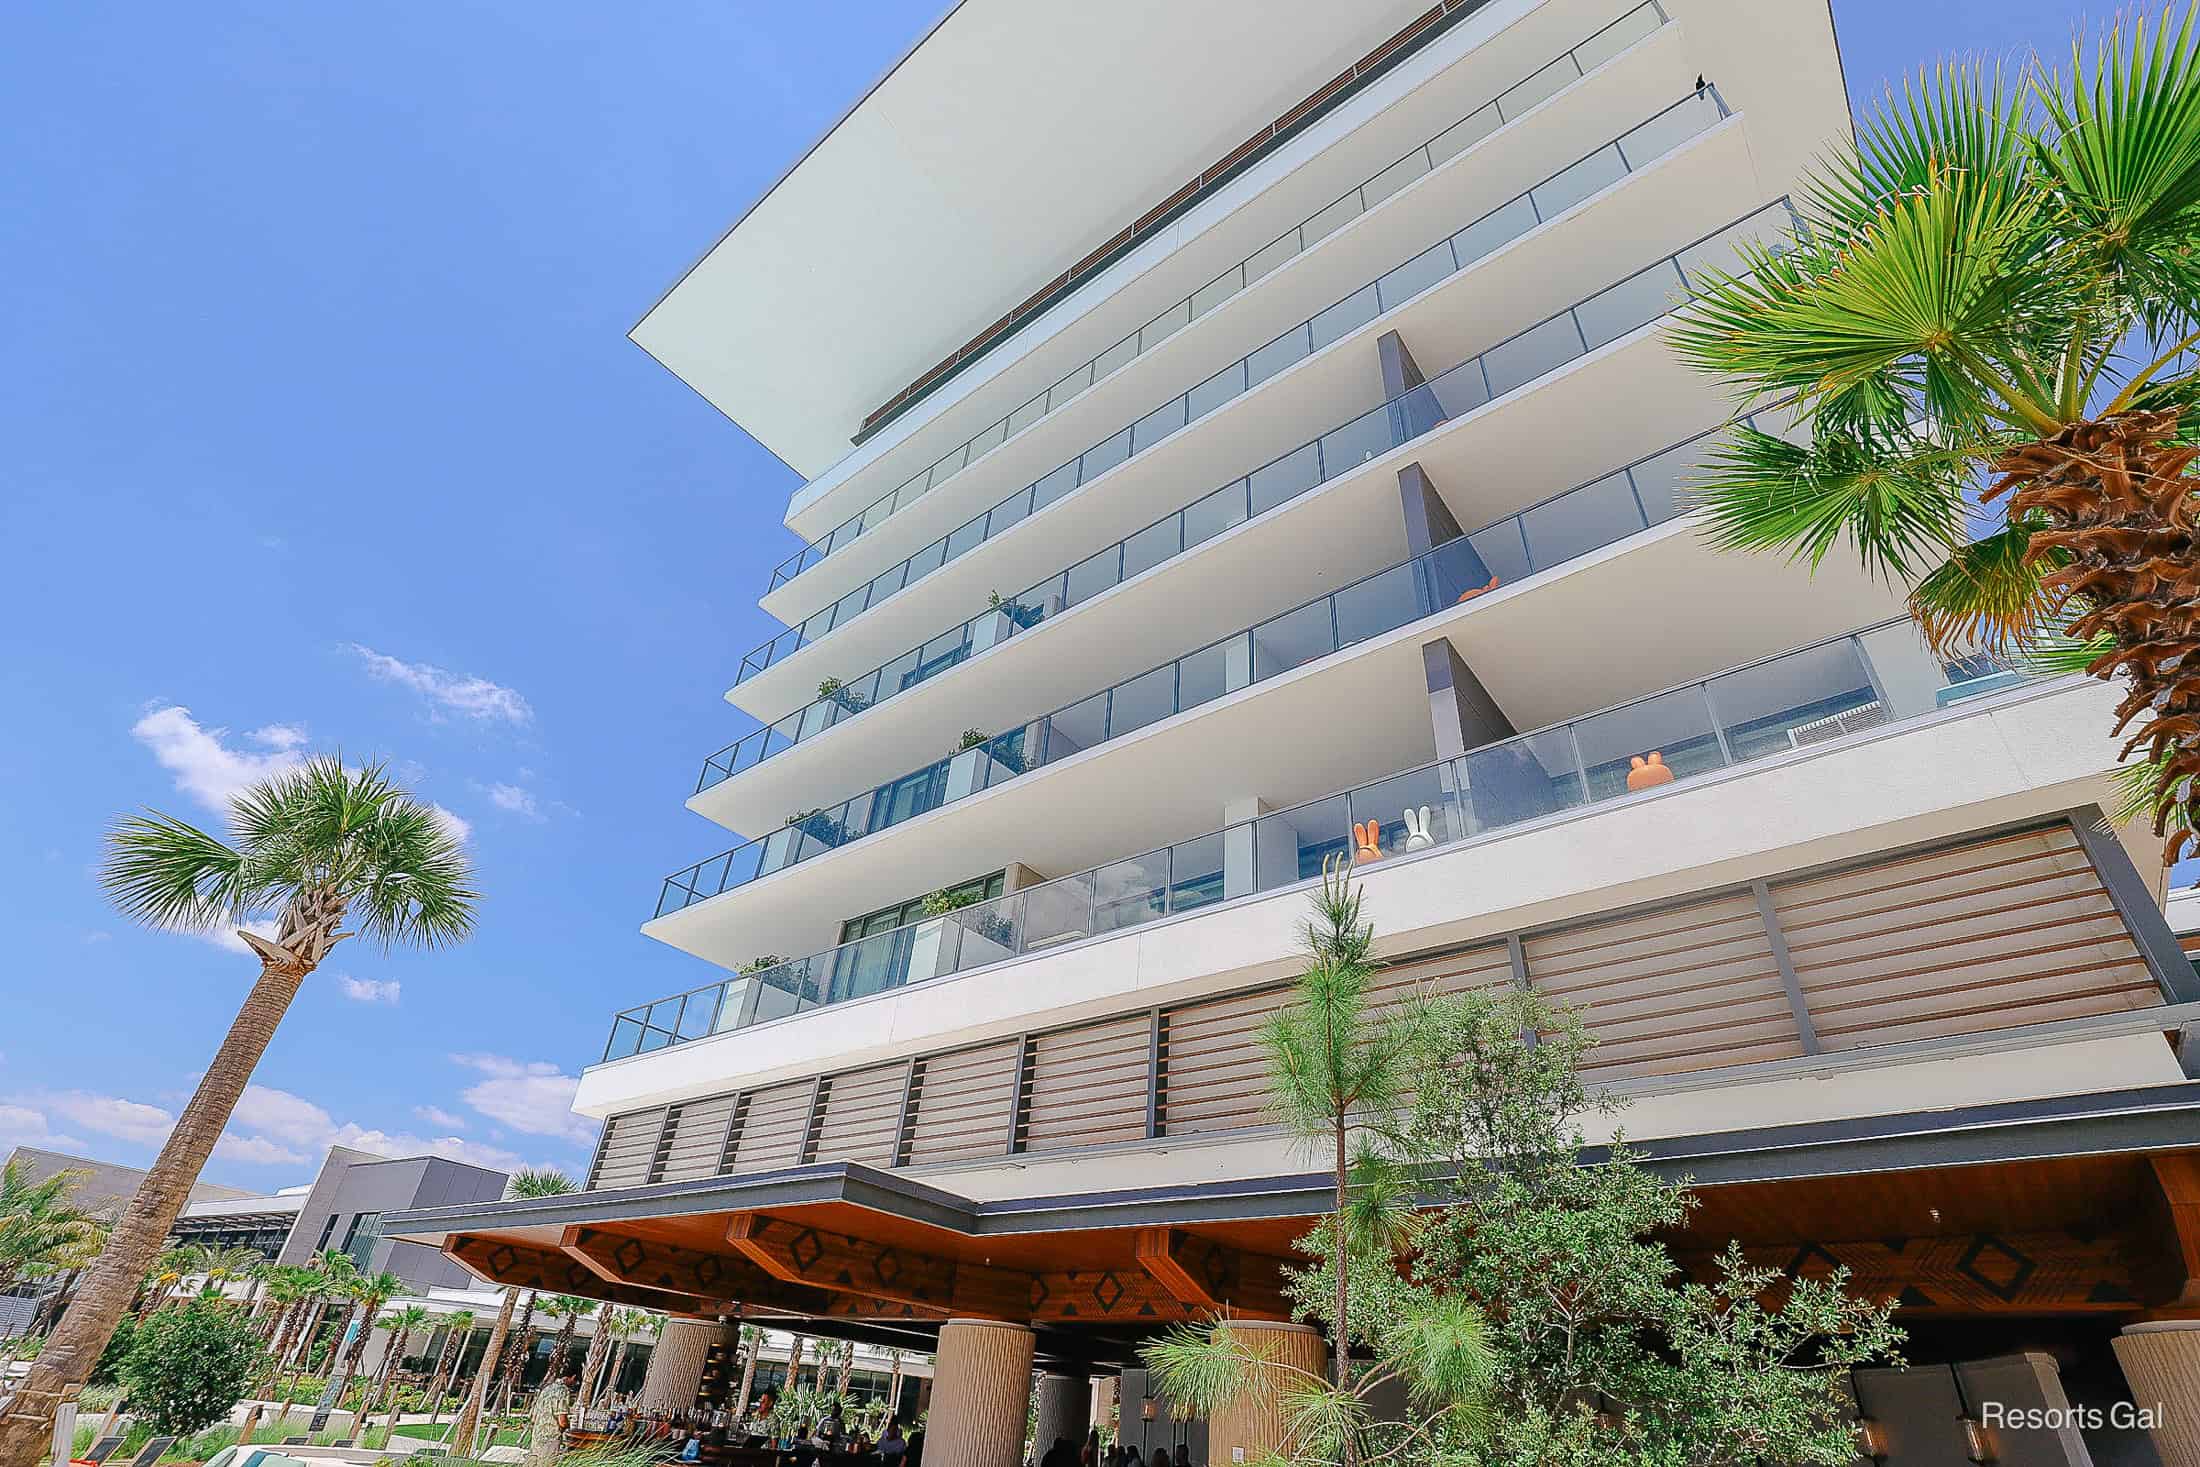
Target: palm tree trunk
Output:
[
  {"x": 610, "y": 1384},
  {"x": 469, "y": 1415},
  {"x": 748, "y": 1377},
  {"x": 26, "y": 1427},
  {"x": 893, "y": 1387},
  {"x": 598, "y": 1343},
  {"x": 445, "y": 1362},
  {"x": 303, "y": 1347}
]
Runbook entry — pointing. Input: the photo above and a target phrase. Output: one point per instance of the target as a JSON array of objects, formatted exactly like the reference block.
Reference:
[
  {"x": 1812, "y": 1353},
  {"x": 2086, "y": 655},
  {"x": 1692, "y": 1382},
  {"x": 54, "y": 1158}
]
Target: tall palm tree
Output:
[
  {"x": 752, "y": 1342},
  {"x": 38, "y": 1223},
  {"x": 610, "y": 1324},
  {"x": 640, "y": 1324},
  {"x": 369, "y": 1292},
  {"x": 568, "y": 1310},
  {"x": 527, "y": 1182},
  {"x": 332, "y": 1273},
  {"x": 169, "y": 1269},
  {"x": 1997, "y": 278},
  {"x": 230, "y": 1265},
  {"x": 893, "y": 1384},
  {"x": 312, "y": 847},
  {"x": 794, "y": 1364},
  {"x": 400, "y": 1325},
  {"x": 458, "y": 1331}
]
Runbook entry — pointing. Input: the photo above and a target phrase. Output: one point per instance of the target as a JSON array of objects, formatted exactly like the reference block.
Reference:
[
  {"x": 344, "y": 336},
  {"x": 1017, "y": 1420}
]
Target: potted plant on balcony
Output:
[
  {"x": 832, "y": 690},
  {"x": 1024, "y": 617},
  {"x": 819, "y": 826},
  {"x": 992, "y": 924}
]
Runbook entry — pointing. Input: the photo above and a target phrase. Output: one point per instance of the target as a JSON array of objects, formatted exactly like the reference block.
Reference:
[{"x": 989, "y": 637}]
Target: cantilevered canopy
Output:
[{"x": 1015, "y": 137}]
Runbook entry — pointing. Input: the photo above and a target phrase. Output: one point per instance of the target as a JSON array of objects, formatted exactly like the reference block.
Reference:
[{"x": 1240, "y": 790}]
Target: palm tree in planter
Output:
[
  {"x": 568, "y": 1310},
  {"x": 401, "y": 1325},
  {"x": 313, "y": 847},
  {"x": 752, "y": 1348},
  {"x": 528, "y": 1182},
  {"x": 1997, "y": 278},
  {"x": 331, "y": 1274},
  {"x": 369, "y": 1292},
  {"x": 458, "y": 1329}
]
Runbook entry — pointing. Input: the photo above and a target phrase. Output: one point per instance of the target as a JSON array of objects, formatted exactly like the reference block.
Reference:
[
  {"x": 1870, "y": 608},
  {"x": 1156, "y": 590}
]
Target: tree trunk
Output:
[
  {"x": 26, "y": 1427},
  {"x": 469, "y": 1415},
  {"x": 893, "y": 1388},
  {"x": 598, "y": 1342},
  {"x": 748, "y": 1377},
  {"x": 446, "y": 1361},
  {"x": 302, "y": 1349},
  {"x": 1339, "y": 1262},
  {"x": 794, "y": 1364}
]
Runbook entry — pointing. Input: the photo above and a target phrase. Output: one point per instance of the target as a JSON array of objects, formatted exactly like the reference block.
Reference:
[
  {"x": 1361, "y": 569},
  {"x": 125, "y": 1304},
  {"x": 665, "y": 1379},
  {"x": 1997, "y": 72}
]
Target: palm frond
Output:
[
  {"x": 1898, "y": 502},
  {"x": 1987, "y": 594},
  {"x": 1963, "y": 117},
  {"x": 170, "y": 874}
]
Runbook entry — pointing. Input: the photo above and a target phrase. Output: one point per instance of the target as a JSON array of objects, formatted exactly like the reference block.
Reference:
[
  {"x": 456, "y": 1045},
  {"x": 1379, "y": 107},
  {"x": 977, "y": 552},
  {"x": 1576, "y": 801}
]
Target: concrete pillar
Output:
[
  {"x": 981, "y": 1394},
  {"x": 1461, "y": 710},
  {"x": 2161, "y": 1363},
  {"x": 1105, "y": 1390},
  {"x": 1253, "y": 1425},
  {"x": 1065, "y": 1411},
  {"x": 675, "y": 1371}
]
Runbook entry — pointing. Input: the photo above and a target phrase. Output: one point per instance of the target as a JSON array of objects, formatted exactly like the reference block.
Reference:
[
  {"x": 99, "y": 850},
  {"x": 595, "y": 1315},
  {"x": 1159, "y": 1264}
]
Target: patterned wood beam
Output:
[
  {"x": 1981, "y": 1273},
  {"x": 647, "y": 1264},
  {"x": 552, "y": 1272},
  {"x": 2174, "y": 1279},
  {"x": 1208, "y": 1277},
  {"x": 801, "y": 1254}
]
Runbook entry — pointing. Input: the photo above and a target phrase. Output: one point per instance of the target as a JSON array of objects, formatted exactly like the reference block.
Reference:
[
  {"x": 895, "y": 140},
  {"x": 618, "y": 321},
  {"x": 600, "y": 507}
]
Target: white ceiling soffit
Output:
[{"x": 1015, "y": 138}]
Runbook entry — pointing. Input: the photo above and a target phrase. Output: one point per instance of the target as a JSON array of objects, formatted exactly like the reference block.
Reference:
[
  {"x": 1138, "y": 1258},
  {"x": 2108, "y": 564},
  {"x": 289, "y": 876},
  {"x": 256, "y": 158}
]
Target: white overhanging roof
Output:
[{"x": 1015, "y": 138}]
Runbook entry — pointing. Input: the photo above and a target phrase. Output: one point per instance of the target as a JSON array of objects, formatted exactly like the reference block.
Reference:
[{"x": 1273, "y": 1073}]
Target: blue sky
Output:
[{"x": 321, "y": 429}]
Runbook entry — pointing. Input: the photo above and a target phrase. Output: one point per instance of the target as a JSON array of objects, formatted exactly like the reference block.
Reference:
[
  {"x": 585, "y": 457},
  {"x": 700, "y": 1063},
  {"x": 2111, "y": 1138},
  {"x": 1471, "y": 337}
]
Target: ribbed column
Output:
[
  {"x": 1065, "y": 1411},
  {"x": 2161, "y": 1363},
  {"x": 981, "y": 1394},
  {"x": 1257, "y": 1419},
  {"x": 676, "y": 1362}
]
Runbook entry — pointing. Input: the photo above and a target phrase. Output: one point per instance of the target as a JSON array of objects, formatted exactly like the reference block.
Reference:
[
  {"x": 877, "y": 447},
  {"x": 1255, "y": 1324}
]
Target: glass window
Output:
[
  {"x": 1599, "y": 170},
  {"x": 1292, "y": 640},
  {"x": 1195, "y": 873},
  {"x": 1151, "y": 546},
  {"x": 1291, "y": 845},
  {"x": 1529, "y": 355},
  {"x": 1804, "y": 698},
  {"x": 1415, "y": 275},
  {"x": 1581, "y": 520},
  {"x": 366, "y": 1231},
  {"x": 1212, "y": 515},
  {"x": 1411, "y": 811},
  {"x": 1464, "y": 134},
  {"x": 1077, "y": 728},
  {"x": 1625, "y": 748},
  {"x": 1637, "y": 301},
  {"x": 1519, "y": 779},
  {"x": 1493, "y": 230},
  {"x": 1147, "y": 698},
  {"x": 1289, "y": 476},
  {"x": 1127, "y": 893}
]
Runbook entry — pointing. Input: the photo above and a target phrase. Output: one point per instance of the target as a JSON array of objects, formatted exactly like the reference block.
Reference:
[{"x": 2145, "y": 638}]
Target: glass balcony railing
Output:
[
  {"x": 1549, "y": 533},
  {"x": 1784, "y": 704},
  {"x": 1544, "y": 82},
  {"x": 1631, "y": 151},
  {"x": 1506, "y": 367}
]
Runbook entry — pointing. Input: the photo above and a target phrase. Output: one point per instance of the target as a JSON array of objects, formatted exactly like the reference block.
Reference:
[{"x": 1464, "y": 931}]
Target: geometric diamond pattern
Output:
[
  {"x": 806, "y": 1250},
  {"x": 1996, "y": 1267}
]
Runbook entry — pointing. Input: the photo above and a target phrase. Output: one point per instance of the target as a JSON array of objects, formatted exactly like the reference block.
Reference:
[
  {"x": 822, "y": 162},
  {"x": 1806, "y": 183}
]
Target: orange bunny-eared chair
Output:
[
  {"x": 1643, "y": 774},
  {"x": 1474, "y": 591},
  {"x": 1367, "y": 840}
]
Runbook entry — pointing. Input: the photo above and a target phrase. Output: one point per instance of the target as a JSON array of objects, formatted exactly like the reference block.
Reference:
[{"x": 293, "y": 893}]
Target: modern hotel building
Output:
[{"x": 1239, "y": 434}]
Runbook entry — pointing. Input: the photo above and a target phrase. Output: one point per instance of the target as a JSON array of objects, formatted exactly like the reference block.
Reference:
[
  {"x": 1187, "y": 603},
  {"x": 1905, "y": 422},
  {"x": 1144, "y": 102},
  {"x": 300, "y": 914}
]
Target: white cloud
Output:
[
  {"x": 280, "y": 736},
  {"x": 205, "y": 766},
  {"x": 530, "y": 1096},
  {"x": 282, "y": 1115},
  {"x": 514, "y": 800},
  {"x": 449, "y": 692},
  {"x": 455, "y": 1148},
  {"x": 20, "y": 1125},
  {"x": 109, "y": 1115},
  {"x": 271, "y": 1125},
  {"x": 258, "y": 1151},
  {"x": 436, "y": 1115},
  {"x": 457, "y": 826},
  {"x": 367, "y": 990},
  {"x": 224, "y": 936}
]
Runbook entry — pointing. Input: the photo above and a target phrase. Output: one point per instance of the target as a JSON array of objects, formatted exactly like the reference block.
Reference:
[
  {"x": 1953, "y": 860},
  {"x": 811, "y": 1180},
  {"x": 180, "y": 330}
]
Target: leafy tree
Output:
[
  {"x": 527, "y": 1182},
  {"x": 312, "y": 847},
  {"x": 39, "y": 1227},
  {"x": 1997, "y": 278},
  {"x": 1605, "y": 1352},
  {"x": 108, "y": 1369},
  {"x": 188, "y": 1365}
]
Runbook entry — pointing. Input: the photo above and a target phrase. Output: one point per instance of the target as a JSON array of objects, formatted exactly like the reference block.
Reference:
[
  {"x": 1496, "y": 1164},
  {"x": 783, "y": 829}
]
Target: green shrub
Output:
[
  {"x": 108, "y": 1369},
  {"x": 188, "y": 1366}
]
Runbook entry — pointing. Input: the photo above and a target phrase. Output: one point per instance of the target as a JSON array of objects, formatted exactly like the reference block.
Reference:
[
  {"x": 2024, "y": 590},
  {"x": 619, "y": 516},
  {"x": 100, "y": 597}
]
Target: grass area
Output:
[{"x": 510, "y": 1433}]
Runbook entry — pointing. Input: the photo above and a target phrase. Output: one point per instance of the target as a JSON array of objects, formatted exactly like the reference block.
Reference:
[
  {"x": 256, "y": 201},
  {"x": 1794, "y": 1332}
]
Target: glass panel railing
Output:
[
  {"x": 1643, "y": 20},
  {"x": 1510, "y": 364},
  {"x": 1786, "y": 704},
  {"x": 1692, "y": 115},
  {"x": 1544, "y": 535}
]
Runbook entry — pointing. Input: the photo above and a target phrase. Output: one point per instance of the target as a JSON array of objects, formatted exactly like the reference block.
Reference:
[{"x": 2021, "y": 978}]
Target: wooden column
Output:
[
  {"x": 1254, "y": 1425},
  {"x": 1065, "y": 1411},
  {"x": 2161, "y": 1363},
  {"x": 675, "y": 1371},
  {"x": 981, "y": 1394}
]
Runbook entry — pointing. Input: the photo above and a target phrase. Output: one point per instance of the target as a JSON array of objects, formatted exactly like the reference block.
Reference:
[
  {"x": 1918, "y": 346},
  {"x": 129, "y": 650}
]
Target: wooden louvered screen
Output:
[
  {"x": 961, "y": 1104},
  {"x": 696, "y": 1140},
  {"x": 628, "y": 1150},
  {"x": 1681, "y": 988},
  {"x": 1214, "y": 1074},
  {"x": 774, "y": 1127},
  {"x": 1088, "y": 1086},
  {"x": 862, "y": 1119},
  {"x": 2014, "y": 930}
]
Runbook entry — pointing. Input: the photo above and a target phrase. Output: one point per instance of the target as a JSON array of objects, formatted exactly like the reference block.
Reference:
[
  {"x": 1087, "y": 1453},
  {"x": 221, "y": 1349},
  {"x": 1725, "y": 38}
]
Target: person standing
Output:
[{"x": 546, "y": 1422}]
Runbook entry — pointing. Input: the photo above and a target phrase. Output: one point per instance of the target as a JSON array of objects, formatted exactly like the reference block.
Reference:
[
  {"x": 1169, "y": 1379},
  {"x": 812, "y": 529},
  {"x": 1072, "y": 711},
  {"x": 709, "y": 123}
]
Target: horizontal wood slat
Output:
[
  {"x": 1665, "y": 992},
  {"x": 629, "y": 1149},
  {"x": 1088, "y": 1086},
  {"x": 692, "y": 1151},
  {"x": 2014, "y": 930},
  {"x": 773, "y": 1131},
  {"x": 862, "y": 1120},
  {"x": 961, "y": 1106}
]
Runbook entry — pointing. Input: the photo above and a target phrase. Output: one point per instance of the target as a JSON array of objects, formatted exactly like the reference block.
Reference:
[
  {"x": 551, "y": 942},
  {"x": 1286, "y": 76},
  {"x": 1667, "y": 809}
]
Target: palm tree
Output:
[
  {"x": 893, "y": 1384},
  {"x": 458, "y": 1329},
  {"x": 332, "y": 1273},
  {"x": 568, "y": 1310},
  {"x": 369, "y": 1293},
  {"x": 171, "y": 1268},
  {"x": 794, "y": 1364},
  {"x": 1997, "y": 278},
  {"x": 608, "y": 1323},
  {"x": 400, "y": 1325},
  {"x": 227, "y": 1265},
  {"x": 527, "y": 1182},
  {"x": 38, "y": 1223},
  {"x": 311, "y": 847},
  {"x": 641, "y": 1324},
  {"x": 752, "y": 1340}
]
